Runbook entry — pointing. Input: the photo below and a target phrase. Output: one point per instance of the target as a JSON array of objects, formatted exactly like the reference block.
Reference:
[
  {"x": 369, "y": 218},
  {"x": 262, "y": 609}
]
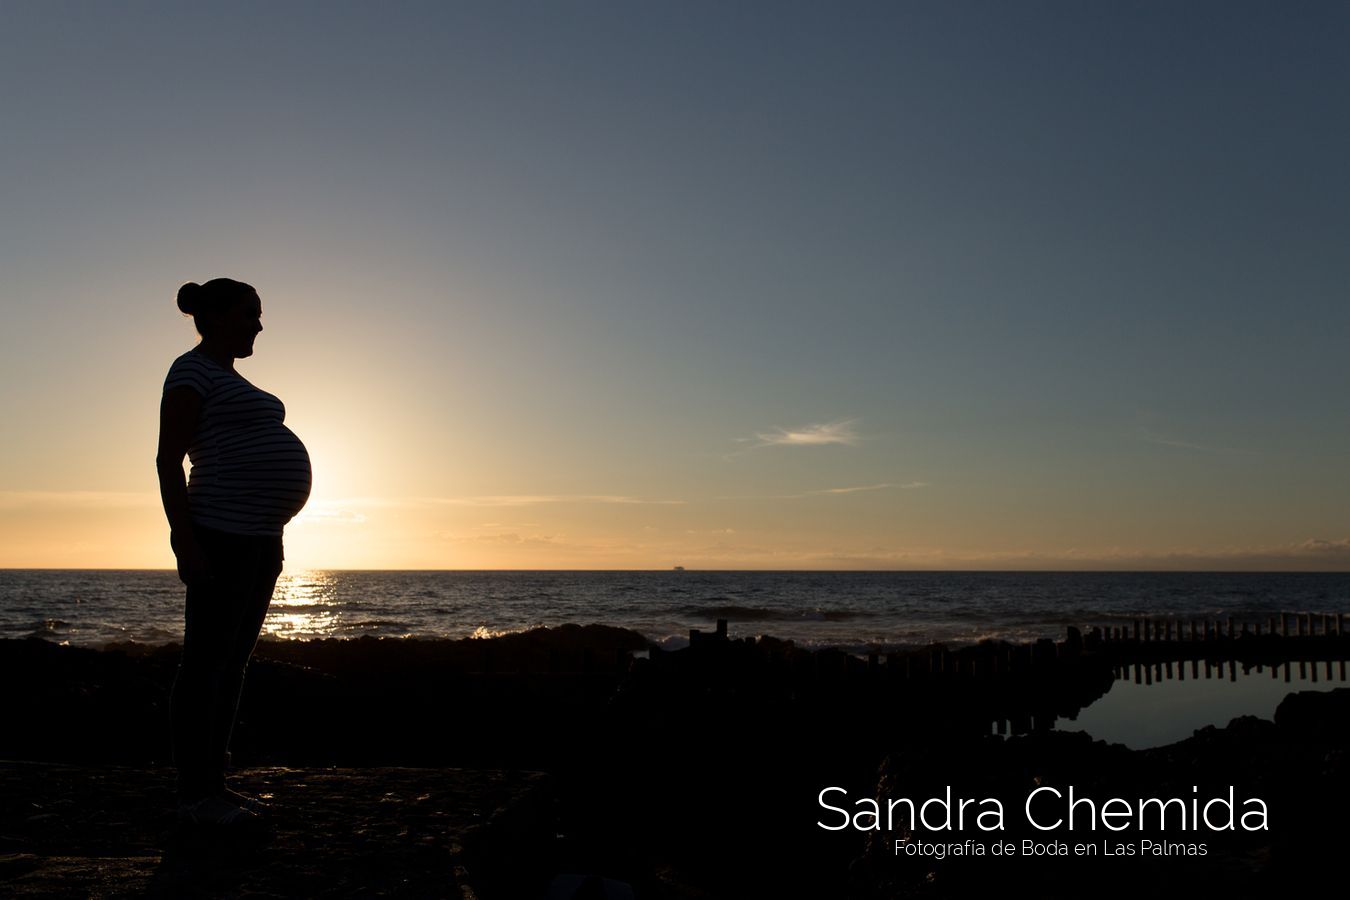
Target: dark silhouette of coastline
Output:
[{"x": 692, "y": 770}]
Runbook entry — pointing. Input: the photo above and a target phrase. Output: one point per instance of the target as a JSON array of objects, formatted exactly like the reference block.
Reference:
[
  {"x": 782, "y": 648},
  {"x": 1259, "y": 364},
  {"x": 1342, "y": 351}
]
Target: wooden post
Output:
[
  {"x": 1193, "y": 629},
  {"x": 1284, "y": 624}
]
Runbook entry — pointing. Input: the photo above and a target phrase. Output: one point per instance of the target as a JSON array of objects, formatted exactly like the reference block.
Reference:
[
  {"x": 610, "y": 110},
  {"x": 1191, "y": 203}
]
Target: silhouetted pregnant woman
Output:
[{"x": 249, "y": 476}]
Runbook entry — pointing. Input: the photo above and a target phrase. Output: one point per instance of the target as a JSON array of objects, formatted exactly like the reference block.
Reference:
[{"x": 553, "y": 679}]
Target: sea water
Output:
[{"x": 856, "y": 611}]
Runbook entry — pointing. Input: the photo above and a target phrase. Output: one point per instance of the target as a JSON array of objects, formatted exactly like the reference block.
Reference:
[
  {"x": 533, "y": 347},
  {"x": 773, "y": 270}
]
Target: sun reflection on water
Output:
[{"x": 304, "y": 605}]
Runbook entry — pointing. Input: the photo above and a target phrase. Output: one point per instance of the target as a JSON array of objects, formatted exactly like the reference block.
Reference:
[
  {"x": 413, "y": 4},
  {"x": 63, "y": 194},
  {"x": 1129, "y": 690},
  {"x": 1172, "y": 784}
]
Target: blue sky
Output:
[{"x": 1068, "y": 276}]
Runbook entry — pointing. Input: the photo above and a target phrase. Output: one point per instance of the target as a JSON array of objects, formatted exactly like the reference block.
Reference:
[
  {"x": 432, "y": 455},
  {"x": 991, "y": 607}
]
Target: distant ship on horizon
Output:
[{"x": 679, "y": 569}]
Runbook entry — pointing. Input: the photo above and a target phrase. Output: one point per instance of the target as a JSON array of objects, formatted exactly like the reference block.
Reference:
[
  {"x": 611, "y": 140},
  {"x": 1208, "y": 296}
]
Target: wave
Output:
[
  {"x": 737, "y": 613},
  {"x": 49, "y": 628},
  {"x": 376, "y": 623}
]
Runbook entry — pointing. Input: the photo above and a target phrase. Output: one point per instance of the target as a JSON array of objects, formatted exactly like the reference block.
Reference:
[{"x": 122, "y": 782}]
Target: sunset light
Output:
[{"x": 659, "y": 449}]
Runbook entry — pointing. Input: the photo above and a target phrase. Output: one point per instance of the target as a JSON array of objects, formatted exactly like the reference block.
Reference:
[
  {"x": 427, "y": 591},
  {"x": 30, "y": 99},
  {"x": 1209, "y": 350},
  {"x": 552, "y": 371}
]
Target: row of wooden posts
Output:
[
  {"x": 1290, "y": 624},
  {"x": 1149, "y": 672},
  {"x": 1120, "y": 642}
]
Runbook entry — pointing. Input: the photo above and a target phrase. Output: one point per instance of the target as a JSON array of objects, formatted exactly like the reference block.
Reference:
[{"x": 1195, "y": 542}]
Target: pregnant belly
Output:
[
  {"x": 274, "y": 474},
  {"x": 290, "y": 475}
]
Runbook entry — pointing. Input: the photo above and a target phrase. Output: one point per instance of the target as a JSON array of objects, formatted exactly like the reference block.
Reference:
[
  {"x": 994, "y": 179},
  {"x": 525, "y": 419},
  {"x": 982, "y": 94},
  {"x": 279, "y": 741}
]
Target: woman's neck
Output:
[{"x": 217, "y": 354}]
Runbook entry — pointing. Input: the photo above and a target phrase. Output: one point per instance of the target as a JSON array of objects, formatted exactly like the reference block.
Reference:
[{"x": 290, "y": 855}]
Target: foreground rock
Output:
[
  {"x": 694, "y": 773},
  {"x": 110, "y": 832}
]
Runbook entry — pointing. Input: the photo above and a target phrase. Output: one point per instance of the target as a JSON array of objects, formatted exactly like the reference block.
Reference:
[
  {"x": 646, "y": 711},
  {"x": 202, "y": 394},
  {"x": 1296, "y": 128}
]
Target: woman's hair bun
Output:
[
  {"x": 206, "y": 303},
  {"x": 188, "y": 297}
]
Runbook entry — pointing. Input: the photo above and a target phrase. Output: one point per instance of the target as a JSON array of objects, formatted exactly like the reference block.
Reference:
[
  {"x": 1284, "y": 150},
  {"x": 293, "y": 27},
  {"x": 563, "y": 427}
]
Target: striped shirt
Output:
[{"x": 250, "y": 473}]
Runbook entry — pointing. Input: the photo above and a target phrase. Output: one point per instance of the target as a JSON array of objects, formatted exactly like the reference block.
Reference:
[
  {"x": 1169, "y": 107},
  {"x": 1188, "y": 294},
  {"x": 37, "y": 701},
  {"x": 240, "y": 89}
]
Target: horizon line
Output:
[{"x": 686, "y": 570}]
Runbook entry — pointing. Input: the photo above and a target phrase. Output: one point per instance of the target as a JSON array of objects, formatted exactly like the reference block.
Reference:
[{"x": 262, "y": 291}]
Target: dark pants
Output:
[{"x": 223, "y": 617}]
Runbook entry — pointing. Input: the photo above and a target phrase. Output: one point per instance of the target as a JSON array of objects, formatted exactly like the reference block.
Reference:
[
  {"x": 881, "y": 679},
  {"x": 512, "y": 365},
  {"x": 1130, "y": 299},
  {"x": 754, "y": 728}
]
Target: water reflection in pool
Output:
[{"x": 1142, "y": 710}]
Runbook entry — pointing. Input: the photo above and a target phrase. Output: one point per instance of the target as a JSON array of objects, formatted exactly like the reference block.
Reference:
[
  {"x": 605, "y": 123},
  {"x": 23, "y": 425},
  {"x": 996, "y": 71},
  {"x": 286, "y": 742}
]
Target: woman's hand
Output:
[{"x": 193, "y": 566}]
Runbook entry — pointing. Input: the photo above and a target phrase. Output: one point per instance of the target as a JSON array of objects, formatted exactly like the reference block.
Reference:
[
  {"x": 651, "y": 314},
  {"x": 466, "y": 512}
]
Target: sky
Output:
[{"x": 940, "y": 285}]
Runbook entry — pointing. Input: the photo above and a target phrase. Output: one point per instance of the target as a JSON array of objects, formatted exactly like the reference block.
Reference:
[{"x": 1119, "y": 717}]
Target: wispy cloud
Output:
[
  {"x": 840, "y": 432},
  {"x": 1152, "y": 437},
  {"x": 909, "y": 485},
  {"x": 76, "y": 499},
  {"x": 500, "y": 500},
  {"x": 885, "y": 486},
  {"x": 538, "y": 499},
  {"x": 1312, "y": 555},
  {"x": 510, "y": 538},
  {"x": 1320, "y": 546},
  {"x": 330, "y": 513}
]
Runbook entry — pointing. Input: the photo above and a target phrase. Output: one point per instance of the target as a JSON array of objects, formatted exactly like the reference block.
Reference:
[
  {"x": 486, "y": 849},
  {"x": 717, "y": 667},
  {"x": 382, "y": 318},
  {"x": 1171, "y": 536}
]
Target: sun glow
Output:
[{"x": 303, "y": 606}]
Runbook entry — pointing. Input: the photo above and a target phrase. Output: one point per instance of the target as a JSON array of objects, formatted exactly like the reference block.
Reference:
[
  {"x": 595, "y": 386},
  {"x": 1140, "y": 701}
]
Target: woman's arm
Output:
[{"x": 178, "y": 415}]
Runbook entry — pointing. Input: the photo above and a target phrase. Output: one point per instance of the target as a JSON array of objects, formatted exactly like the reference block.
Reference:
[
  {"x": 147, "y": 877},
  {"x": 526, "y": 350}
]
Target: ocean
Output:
[{"x": 856, "y": 611}]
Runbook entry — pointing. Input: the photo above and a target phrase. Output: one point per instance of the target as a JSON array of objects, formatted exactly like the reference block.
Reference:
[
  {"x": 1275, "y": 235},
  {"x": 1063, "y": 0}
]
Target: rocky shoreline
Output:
[{"x": 686, "y": 774}]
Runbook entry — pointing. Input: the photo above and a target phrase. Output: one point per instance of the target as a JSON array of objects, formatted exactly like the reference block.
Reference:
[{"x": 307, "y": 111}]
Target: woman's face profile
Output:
[{"x": 238, "y": 326}]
